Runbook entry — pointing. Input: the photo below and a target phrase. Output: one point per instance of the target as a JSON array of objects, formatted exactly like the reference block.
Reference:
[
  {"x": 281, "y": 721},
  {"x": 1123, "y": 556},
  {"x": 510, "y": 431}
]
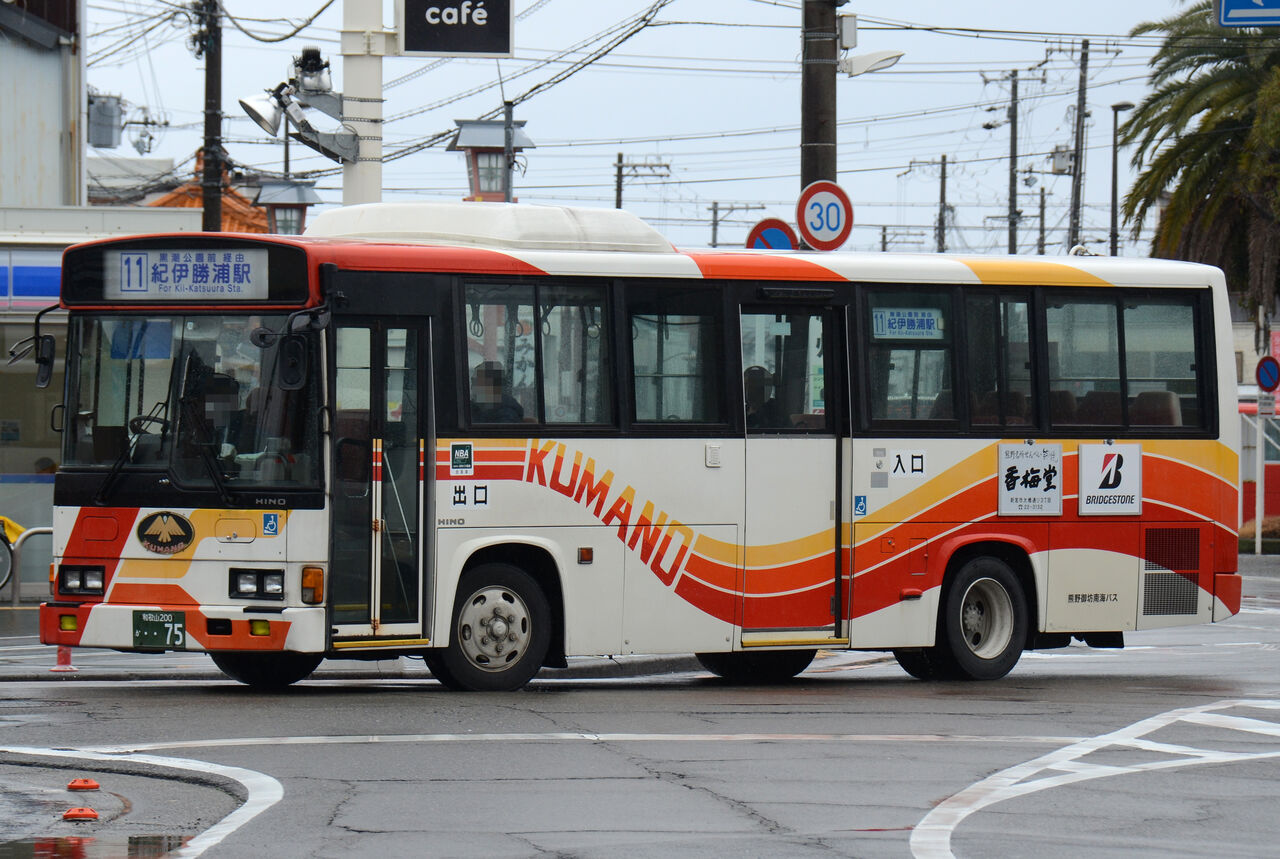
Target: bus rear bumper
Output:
[
  {"x": 190, "y": 628},
  {"x": 1226, "y": 595}
]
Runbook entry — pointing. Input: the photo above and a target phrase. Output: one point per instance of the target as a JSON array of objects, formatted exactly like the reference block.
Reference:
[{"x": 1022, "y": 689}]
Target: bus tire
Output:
[
  {"x": 758, "y": 667},
  {"x": 983, "y": 627},
  {"x": 501, "y": 630},
  {"x": 925, "y": 663},
  {"x": 266, "y": 670},
  {"x": 436, "y": 665}
]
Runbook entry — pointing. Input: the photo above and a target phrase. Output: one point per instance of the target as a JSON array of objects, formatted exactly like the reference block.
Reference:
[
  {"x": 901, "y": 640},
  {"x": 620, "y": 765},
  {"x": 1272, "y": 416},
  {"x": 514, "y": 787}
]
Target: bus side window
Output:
[
  {"x": 552, "y": 366},
  {"x": 1160, "y": 363},
  {"x": 999, "y": 371},
  {"x": 501, "y": 357},
  {"x": 911, "y": 356},
  {"x": 677, "y": 355}
]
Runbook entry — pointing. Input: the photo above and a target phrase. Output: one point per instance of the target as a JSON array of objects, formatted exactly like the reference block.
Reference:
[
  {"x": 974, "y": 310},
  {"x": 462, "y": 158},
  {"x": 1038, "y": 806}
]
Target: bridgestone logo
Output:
[{"x": 1109, "y": 499}]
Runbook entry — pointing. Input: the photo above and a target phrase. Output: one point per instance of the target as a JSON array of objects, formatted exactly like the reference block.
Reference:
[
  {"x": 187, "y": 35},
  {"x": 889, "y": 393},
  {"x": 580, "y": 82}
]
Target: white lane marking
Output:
[
  {"x": 262, "y": 790},
  {"x": 931, "y": 837},
  {"x": 579, "y": 736}
]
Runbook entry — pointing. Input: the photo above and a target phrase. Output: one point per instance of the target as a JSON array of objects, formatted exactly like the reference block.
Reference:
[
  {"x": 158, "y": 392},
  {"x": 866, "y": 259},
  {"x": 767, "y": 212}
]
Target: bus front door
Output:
[
  {"x": 793, "y": 558},
  {"x": 381, "y": 425}
]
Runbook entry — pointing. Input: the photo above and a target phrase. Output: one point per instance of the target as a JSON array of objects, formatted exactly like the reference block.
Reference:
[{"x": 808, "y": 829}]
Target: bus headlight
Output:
[
  {"x": 81, "y": 580},
  {"x": 256, "y": 584}
]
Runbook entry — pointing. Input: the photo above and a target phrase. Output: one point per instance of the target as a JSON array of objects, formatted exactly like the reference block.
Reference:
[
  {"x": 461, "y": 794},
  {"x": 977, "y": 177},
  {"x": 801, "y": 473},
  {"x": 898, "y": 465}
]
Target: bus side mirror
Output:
[
  {"x": 292, "y": 373},
  {"x": 46, "y": 349}
]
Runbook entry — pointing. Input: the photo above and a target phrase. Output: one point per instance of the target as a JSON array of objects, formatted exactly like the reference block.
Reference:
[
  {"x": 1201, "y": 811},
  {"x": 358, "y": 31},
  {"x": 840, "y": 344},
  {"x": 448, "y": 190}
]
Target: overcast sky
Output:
[{"x": 711, "y": 89}]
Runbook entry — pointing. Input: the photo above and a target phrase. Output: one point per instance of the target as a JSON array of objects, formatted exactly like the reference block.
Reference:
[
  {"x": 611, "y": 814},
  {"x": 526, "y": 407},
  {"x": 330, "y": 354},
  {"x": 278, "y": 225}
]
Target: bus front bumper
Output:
[{"x": 190, "y": 628}]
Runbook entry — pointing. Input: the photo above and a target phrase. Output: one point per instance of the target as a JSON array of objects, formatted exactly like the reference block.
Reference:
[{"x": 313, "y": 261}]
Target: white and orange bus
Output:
[{"x": 499, "y": 436}]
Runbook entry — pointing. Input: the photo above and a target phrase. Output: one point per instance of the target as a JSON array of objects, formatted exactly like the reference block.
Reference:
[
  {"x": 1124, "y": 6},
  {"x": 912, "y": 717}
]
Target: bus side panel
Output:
[{"x": 663, "y": 514}]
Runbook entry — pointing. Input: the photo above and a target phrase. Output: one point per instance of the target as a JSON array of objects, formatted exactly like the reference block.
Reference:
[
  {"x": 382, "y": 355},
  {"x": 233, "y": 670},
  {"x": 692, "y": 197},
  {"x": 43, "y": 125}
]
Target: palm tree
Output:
[{"x": 1205, "y": 148}]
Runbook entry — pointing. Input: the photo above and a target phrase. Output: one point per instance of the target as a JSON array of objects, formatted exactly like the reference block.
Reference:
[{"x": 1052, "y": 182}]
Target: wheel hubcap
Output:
[
  {"x": 494, "y": 628},
  {"x": 986, "y": 618}
]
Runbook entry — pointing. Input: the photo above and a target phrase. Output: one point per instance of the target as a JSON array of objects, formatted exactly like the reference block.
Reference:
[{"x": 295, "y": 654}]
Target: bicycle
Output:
[{"x": 9, "y": 533}]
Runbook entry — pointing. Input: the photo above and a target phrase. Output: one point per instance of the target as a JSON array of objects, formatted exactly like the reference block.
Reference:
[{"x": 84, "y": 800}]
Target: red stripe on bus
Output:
[{"x": 742, "y": 266}]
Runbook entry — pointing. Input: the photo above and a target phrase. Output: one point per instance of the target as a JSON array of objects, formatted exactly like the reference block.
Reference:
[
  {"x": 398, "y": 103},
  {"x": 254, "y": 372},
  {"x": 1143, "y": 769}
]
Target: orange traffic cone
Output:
[{"x": 64, "y": 660}]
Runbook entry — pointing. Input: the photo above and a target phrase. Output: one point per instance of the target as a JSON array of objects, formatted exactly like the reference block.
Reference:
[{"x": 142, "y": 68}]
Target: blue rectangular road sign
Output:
[{"x": 1249, "y": 13}]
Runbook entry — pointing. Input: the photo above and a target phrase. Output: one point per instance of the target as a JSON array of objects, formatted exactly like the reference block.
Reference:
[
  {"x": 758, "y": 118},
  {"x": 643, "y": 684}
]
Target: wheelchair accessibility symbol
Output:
[
  {"x": 859, "y": 505},
  {"x": 270, "y": 524}
]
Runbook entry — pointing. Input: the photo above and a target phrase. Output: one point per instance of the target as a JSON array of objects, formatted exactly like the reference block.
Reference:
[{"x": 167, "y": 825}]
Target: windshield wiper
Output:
[
  {"x": 136, "y": 425},
  {"x": 191, "y": 415}
]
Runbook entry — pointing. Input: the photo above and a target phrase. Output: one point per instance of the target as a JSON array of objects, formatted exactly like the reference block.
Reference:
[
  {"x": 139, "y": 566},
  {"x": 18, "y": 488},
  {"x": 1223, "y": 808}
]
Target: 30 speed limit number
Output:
[{"x": 824, "y": 215}]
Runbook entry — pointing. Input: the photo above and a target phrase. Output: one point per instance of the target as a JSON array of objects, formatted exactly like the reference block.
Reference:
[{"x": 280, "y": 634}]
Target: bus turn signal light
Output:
[{"x": 312, "y": 585}]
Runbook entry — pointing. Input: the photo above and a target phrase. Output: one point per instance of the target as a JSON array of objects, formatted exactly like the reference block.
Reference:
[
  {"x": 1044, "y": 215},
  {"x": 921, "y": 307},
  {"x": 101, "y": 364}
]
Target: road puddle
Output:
[{"x": 84, "y": 847}]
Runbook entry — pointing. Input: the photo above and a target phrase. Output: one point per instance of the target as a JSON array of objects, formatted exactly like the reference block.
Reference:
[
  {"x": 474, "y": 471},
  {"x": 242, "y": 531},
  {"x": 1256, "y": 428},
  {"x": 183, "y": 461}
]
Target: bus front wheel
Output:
[
  {"x": 760, "y": 666},
  {"x": 266, "y": 670},
  {"x": 501, "y": 631},
  {"x": 984, "y": 623}
]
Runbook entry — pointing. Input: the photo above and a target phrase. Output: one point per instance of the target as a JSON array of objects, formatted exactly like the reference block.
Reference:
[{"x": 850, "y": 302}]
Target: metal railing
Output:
[
  {"x": 15, "y": 579},
  {"x": 1264, "y": 438}
]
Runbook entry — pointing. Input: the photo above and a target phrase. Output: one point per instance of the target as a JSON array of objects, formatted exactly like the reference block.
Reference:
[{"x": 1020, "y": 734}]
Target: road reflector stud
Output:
[
  {"x": 64, "y": 660},
  {"x": 80, "y": 814},
  {"x": 82, "y": 784}
]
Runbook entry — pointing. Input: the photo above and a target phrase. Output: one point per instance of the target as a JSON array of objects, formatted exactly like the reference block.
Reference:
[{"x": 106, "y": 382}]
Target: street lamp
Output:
[
  {"x": 875, "y": 61},
  {"x": 1116, "y": 109}
]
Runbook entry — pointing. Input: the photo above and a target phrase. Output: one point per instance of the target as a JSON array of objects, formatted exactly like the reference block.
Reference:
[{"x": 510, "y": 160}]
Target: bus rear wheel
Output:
[
  {"x": 984, "y": 622},
  {"x": 757, "y": 667},
  {"x": 501, "y": 631},
  {"x": 267, "y": 670}
]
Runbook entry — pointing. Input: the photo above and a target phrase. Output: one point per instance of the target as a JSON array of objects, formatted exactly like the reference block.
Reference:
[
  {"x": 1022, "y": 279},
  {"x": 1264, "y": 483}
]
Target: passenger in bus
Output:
[
  {"x": 763, "y": 411},
  {"x": 491, "y": 403}
]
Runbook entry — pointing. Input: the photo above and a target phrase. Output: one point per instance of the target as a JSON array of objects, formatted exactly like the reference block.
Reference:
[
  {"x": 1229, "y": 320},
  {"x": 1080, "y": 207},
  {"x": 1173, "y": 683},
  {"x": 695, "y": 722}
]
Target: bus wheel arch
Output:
[
  {"x": 541, "y": 566},
  {"x": 986, "y": 615}
]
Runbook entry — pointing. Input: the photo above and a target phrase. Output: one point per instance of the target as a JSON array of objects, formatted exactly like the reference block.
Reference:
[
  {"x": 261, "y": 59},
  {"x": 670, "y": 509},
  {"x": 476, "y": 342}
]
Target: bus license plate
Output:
[{"x": 167, "y": 629}]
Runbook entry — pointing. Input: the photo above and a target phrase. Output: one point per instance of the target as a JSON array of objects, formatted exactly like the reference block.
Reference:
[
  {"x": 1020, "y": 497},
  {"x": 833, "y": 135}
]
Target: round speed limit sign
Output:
[{"x": 824, "y": 215}]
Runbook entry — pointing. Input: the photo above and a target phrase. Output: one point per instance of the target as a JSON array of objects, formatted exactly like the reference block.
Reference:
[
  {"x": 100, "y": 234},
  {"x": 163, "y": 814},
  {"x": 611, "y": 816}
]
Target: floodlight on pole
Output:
[
  {"x": 264, "y": 110},
  {"x": 310, "y": 86}
]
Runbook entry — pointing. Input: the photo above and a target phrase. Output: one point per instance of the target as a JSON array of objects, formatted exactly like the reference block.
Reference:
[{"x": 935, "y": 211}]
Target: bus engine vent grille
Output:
[
  {"x": 1169, "y": 593},
  {"x": 1173, "y": 549}
]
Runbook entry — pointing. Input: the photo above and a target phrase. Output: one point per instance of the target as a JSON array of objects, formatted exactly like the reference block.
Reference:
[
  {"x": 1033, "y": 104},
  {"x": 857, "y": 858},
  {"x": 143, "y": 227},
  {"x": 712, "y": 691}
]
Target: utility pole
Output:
[
  {"x": 1040, "y": 242},
  {"x": 209, "y": 42},
  {"x": 617, "y": 192},
  {"x": 818, "y": 91},
  {"x": 508, "y": 149},
  {"x": 1013, "y": 162},
  {"x": 661, "y": 169},
  {"x": 717, "y": 213},
  {"x": 1077, "y": 169},
  {"x": 941, "y": 231}
]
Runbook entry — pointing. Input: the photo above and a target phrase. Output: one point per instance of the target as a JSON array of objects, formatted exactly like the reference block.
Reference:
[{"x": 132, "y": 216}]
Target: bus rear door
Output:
[{"x": 794, "y": 566}]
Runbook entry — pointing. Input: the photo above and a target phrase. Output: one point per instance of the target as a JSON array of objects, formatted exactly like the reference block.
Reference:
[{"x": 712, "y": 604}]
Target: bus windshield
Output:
[{"x": 191, "y": 394}]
